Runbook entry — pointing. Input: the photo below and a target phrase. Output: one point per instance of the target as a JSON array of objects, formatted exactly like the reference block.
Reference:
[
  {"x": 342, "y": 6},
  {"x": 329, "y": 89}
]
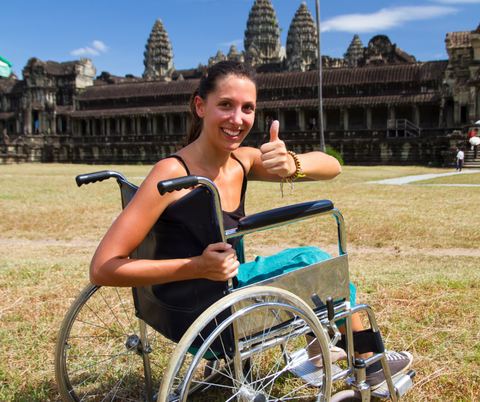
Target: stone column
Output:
[
  {"x": 28, "y": 120},
  {"x": 132, "y": 126},
  {"x": 281, "y": 119},
  {"x": 441, "y": 113},
  {"x": 416, "y": 115},
  {"x": 391, "y": 112},
  {"x": 324, "y": 113},
  {"x": 165, "y": 123},
  {"x": 182, "y": 123},
  {"x": 139, "y": 125},
  {"x": 472, "y": 107},
  {"x": 88, "y": 127},
  {"x": 456, "y": 112},
  {"x": 154, "y": 125},
  {"x": 342, "y": 120},
  {"x": 53, "y": 124},
  {"x": 68, "y": 125},
  {"x": 345, "y": 118},
  {"x": 368, "y": 118},
  {"x": 149, "y": 125}
]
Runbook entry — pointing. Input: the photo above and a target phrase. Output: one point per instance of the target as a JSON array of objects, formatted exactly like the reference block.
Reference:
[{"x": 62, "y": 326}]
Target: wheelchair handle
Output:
[
  {"x": 98, "y": 176},
  {"x": 168, "y": 186}
]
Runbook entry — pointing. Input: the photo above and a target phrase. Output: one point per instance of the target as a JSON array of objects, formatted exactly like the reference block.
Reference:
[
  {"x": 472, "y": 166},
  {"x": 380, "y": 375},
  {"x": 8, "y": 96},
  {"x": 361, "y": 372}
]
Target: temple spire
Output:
[
  {"x": 302, "y": 40},
  {"x": 158, "y": 56},
  {"x": 262, "y": 36},
  {"x": 354, "y": 52}
]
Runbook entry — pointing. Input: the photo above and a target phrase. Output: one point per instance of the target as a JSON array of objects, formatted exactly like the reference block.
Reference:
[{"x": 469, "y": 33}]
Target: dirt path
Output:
[
  {"x": 332, "y": 249},
  {"x": 269, "y": 250}
]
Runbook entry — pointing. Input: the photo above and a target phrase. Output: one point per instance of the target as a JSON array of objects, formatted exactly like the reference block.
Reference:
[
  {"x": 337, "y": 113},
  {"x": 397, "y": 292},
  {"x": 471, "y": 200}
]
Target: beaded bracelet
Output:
[{"x": 298, "y": 173}]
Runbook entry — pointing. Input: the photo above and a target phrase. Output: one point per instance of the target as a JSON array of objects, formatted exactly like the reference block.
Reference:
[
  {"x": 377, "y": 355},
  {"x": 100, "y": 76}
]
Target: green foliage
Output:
[
  {"x": 335, "y": 154},
  {"x": 434, "y": 164}
]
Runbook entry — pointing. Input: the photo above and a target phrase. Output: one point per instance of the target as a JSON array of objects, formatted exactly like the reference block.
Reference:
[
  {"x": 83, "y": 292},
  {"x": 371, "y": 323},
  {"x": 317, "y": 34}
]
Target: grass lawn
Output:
[{"x": 413, "y": 253}]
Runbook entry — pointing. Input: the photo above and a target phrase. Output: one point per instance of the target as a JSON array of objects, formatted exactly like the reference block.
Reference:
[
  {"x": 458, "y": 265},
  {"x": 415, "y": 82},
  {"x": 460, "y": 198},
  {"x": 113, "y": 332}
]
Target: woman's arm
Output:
[
  {"x": 111, "y": 266},
  {"x": 272, "y": 162}
]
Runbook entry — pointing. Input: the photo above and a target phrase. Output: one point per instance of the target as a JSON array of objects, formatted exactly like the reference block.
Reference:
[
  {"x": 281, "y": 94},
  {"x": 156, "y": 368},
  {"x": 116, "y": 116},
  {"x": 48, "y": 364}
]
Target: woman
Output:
[{"x": 223, "y": 112}]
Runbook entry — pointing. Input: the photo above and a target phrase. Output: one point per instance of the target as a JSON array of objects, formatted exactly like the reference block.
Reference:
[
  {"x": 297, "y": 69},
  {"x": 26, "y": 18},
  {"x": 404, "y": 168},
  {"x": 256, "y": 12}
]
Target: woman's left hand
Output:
[{"x": 275, "y": 158}]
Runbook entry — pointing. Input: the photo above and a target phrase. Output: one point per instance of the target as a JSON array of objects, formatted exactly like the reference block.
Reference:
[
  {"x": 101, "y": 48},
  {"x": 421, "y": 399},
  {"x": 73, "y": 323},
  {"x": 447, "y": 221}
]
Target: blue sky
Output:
[{"x": 114, "y": 34}]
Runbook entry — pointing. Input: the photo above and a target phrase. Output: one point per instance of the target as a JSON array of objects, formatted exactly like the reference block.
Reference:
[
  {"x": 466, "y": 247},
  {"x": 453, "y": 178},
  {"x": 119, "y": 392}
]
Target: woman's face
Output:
[{"x": 229, "y": 112}]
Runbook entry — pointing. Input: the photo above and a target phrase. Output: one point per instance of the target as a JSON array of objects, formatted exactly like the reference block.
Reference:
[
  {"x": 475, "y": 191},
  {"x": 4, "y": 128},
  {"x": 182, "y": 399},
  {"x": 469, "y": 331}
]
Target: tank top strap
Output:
[
  {"x": 244, "y": 184},
  {"x": 179, "y": 158}
]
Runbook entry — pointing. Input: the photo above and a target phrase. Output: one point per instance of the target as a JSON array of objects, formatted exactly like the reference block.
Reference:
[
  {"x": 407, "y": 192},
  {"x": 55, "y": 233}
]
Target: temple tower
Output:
[
  {"x": 354, "y": 52},
  {"x": 302, "y": 40},
  {"x": 262, "y": 36},
  {"x": 158, "y": 56}
]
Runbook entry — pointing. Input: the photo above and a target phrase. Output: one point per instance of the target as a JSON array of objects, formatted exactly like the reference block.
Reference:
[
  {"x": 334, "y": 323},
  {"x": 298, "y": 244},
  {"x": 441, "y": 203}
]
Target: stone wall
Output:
[{"x": 439, "y": 151}]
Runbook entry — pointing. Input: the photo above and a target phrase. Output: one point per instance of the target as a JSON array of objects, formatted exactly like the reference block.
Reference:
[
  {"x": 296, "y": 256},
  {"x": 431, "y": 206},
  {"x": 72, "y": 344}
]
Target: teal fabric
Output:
[
  {"x": 283, "y": 262},
  {"x": 277, "y": 264}
]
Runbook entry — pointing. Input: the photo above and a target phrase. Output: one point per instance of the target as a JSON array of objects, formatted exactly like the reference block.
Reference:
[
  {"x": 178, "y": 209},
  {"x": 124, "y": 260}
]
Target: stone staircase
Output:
[{"x": 470, "y": 162}]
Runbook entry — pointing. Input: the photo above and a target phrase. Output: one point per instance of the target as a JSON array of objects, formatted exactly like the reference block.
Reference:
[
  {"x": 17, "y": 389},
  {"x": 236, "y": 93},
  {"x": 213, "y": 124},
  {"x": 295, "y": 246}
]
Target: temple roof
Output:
[
  {"x": 458, "y": 39},
  {"x": 54, "y": 68},
  {"x": 10, "y": 85},
  {"x": 401, "y": 73},
  {"x": 425, "y": 71},
  {"x": 360, "y": 101},
  {"x": 131, "y": 111},
  {"x": 138, "y": 89}
]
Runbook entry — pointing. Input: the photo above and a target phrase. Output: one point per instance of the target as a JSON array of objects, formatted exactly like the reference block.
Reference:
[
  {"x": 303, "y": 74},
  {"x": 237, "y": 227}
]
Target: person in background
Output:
[{"x": 460, "y": 157}]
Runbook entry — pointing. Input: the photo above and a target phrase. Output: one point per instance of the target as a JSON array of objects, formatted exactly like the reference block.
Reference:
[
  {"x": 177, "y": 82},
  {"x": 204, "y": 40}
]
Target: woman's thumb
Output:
[{"x": 274, "y": 131}]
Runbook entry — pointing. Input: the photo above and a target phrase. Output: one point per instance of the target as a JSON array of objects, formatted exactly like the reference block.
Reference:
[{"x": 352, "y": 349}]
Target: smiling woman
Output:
[{"x": 222, "y": 113}]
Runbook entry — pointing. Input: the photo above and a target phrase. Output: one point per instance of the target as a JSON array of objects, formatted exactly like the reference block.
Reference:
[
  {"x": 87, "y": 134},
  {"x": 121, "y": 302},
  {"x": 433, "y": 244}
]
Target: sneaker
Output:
[
  {"x": 314, "y": 355},
  {"x": 397, "y": 362}
]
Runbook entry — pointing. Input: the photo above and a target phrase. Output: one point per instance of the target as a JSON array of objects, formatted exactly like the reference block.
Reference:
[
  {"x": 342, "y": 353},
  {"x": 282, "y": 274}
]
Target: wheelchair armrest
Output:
[{"x": 284, "y": 214}]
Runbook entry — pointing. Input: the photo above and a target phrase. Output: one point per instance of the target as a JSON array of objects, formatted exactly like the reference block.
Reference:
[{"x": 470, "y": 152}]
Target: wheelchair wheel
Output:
[
  {"x": 268, "y": 338},
  {"x": 347, "y": 396},
  {"x": 99, "y": 353}
]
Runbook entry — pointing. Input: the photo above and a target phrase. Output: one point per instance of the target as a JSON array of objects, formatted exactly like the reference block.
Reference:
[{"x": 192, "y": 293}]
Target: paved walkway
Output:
[{"x": 410, "y": 179}]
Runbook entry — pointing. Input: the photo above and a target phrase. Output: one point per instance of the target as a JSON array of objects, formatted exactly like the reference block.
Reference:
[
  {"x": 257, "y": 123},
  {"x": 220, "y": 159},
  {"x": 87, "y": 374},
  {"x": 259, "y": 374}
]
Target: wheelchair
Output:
[{"x": 215, "y": 342}]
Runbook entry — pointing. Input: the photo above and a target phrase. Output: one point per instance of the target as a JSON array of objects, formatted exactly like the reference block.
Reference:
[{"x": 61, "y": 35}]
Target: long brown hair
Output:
[{"x": 208, "y": 84}]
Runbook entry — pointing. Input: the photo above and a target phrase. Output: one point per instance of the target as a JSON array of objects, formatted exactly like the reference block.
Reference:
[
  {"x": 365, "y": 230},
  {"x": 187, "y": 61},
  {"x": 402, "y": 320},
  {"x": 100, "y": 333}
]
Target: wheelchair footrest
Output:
[
  {"x": 300, "y": 366},
  {"x": 402, "y": 382}
]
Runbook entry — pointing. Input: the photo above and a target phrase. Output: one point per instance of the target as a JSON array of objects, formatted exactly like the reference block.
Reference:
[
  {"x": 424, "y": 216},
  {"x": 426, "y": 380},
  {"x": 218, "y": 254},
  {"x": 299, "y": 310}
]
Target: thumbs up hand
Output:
[{"x": 275, "y": 158}]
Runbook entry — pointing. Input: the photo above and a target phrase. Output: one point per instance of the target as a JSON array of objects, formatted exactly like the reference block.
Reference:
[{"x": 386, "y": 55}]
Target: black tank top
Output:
[{"x": 230, "y": 219}]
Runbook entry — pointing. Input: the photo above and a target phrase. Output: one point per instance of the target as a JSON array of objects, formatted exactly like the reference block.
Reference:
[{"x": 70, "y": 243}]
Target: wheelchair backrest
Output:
[{"x": 172, "y": 307}]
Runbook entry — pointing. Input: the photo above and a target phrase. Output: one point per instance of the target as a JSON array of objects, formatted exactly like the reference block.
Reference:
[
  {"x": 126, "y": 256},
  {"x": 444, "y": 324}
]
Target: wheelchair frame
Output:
[{"x": 287, "y": 316}]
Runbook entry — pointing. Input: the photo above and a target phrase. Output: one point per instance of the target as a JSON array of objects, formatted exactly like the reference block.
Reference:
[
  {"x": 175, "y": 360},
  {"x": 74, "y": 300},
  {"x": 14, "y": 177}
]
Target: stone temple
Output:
[{"x": 380, "y": 105}]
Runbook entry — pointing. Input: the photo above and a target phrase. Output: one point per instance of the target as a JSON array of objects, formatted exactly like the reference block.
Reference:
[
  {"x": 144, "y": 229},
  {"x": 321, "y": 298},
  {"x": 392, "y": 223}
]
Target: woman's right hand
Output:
[{"x": 218, "y": 262}]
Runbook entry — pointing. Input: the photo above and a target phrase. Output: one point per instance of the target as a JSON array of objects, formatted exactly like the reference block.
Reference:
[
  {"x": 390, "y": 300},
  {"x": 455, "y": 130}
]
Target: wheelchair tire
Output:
[
  {"x": 347, "y": 396},
  {"x": 99, "y": 353},
  {"x": 271, "y": 324}
]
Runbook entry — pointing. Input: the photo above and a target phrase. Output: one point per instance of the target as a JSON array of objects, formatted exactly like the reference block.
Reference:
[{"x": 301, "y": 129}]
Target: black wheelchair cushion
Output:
[{"x": 184, "y": 230}]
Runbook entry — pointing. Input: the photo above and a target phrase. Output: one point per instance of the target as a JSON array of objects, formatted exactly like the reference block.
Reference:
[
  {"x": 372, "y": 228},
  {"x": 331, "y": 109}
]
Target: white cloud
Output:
[
  {"x": 88, "y": 51},
  {"x": 384, "y": 19},
  {"x": 457, "y": 1},
  {"x": 98, "y": 44},
  {"x": 237, "y": 43}
]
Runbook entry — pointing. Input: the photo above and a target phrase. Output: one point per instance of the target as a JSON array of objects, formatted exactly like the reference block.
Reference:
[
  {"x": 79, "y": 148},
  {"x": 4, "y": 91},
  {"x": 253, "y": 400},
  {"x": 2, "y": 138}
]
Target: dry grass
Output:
[{"x": 414, "y": 257}]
